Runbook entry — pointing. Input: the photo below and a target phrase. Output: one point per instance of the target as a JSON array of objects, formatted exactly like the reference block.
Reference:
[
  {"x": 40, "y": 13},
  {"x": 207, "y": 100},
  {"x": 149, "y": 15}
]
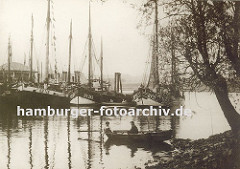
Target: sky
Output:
[{"x": 125, "y": 49}]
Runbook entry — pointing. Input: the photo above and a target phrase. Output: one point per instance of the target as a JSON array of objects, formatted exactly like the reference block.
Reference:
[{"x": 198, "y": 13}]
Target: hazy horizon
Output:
[{"x": 125, "y": 50}]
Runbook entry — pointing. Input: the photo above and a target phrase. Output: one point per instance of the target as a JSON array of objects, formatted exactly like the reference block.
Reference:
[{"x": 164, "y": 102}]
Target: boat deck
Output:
[{"x": 41, "y": 90}]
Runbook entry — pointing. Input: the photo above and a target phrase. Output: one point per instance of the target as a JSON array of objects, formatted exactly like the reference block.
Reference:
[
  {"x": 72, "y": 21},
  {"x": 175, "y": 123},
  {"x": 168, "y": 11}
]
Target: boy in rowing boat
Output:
[
  {"x": 107, "y": 130},
  {"x": 134, "y": 129}
]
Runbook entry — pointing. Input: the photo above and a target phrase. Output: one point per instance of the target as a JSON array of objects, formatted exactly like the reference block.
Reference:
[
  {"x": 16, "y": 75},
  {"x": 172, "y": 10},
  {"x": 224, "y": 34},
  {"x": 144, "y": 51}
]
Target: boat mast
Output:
[
  {"x": 41, "y": 73},
  {"x": 156, "y": 74},
  {"x": 90, "y": 75},
  {"x": 31, "y": 53},
  {"x": 101, "y": 65},
  {"x": 9, "y": 59},
  {"x": 47, "y": 44},
  {"x": 70, "y": 53}
]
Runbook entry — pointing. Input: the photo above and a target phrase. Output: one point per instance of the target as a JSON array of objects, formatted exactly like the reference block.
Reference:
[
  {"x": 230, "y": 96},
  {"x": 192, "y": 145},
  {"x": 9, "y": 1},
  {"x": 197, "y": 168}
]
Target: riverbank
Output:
[{"x": 216, "y": 152}]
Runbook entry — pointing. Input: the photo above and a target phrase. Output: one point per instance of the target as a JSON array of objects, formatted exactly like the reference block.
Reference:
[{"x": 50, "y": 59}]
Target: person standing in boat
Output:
[
  {"x": 107, "y": 130},
  {"x": 134, "y": 129},
  {"x": 45, "y": 87}
]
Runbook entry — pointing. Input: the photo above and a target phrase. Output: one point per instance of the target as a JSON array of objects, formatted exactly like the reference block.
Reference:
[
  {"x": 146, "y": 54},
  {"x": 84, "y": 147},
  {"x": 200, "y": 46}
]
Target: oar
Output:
[
  {"x": 89, "y": 140},
  {"x": 88, "y": 131},
  {"x": 121, "y": 131}
]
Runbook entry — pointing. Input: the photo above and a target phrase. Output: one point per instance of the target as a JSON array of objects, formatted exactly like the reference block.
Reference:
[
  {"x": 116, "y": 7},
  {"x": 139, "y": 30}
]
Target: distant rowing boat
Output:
[{"x": 123, "y": 135}]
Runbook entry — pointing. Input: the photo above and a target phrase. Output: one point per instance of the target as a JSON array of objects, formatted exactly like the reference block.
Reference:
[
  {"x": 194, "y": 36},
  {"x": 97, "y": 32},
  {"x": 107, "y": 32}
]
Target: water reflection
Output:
[
  {"x": 93, "y": 145},
  {"x": 30, "y": 146},
  {"x": 69, "y": 143},
  {"x": 46, "y": 142},
  {"x": 89, "y": 165},
  {"x": 66, "y": 142},
  {"x": 9, "y": 143},
  {"x": 152, "y": 147}
]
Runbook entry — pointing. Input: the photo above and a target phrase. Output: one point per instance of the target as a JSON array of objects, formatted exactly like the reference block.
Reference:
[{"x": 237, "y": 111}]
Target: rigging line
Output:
[
  {"x": 144, "y": 78},
  {"x": 144, "y": 73},
  {"x": 84, "y": 56},
  {"x": 42, "y": 41},
  {"x": 106, "y": 73},
  {"x": 74, "y": 56},
  {"x": 147, "y": 65},
  {"x": 83, "y": 63},
  {"x": 36, "y": 56},
  {"x": 94, "y": 51},
  {"x": 149, "y": 55}
]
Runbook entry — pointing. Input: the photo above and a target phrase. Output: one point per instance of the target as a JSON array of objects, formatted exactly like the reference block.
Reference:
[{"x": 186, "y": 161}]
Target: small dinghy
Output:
[{"x": 123, "y": 135}]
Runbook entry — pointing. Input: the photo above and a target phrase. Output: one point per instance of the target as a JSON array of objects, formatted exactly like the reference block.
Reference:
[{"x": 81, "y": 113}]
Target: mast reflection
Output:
[
  {"x": 89, "y": 161},
  {"x": 30, "y": 147},
  {"x": 101, "y": 140},
  {"x": 69, "y": 143},
  {"x": 46, "y": 143},
  {"x": 9, "y": 144}
]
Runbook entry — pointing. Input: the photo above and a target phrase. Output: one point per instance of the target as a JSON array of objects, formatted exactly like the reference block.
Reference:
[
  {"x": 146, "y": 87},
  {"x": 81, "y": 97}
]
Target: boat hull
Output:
[
  {"x": 140, "y": 137},
  {"x": 82, "y": 101},
  {"x": 146, "y": 97},
  {"x": 87, "y": 96},
  {"x": 33, "y": 99}
]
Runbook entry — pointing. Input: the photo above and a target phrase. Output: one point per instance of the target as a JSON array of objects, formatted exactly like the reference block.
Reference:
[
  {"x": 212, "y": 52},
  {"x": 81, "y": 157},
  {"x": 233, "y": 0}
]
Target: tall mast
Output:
[
  {"x": 47, "y": 44},
  {"x": 101, "y": 65},
  {"x": 31, "y": 54},
  {"x": 90, "y": 75},
  {"x": 156, "y": 74},
  {"x": 41, "y": 74},
  {"x": 70, "y": 53},
  {"x": 38, "y": 71},
  {"x": 9, "y": 59}
]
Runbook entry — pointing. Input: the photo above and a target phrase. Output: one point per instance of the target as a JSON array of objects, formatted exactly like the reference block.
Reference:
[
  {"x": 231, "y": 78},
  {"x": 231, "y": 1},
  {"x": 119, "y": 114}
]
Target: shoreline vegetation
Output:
[{"x": 221, "y": 151}]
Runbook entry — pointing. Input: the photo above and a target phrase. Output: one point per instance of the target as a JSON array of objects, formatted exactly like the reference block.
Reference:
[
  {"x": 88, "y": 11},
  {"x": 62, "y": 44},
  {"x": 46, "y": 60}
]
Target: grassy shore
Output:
[{"x": 220, "y": 151}]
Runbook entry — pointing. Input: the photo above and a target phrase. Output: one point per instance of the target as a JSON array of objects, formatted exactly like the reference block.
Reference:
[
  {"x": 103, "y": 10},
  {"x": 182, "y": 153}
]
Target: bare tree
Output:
[{"x": 207, "y": 35}]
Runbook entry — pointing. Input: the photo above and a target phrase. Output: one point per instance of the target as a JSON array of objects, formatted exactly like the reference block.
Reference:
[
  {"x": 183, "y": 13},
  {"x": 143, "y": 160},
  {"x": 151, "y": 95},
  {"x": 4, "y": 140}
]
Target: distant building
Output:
[{"x": 18, "y": 72}]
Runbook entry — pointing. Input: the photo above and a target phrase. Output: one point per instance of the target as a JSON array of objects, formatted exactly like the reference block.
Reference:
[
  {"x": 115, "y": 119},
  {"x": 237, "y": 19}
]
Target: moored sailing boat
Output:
[
  {"x": 96, "y": 91},
  {"x": 35, "y": 94},
  {"x": 153, "y": 94}
]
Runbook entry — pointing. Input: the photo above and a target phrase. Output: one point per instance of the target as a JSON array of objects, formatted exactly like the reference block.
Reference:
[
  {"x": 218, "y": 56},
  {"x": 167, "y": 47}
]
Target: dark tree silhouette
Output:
[{"x": 207, "y": 34}]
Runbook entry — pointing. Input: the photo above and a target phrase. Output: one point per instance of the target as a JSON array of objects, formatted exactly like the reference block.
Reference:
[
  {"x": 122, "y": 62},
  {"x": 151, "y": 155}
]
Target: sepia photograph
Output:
[{"x": 119, "y": 84}]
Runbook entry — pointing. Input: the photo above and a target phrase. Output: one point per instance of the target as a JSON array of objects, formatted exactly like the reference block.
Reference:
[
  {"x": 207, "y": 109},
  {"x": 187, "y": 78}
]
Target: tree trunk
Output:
[
  {"x": 229, "y": 111},
  {"x": 233, "y": 118}
]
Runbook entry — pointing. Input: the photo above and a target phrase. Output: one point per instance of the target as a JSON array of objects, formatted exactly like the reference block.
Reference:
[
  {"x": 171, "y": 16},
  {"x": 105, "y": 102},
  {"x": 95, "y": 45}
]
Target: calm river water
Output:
[{"x": 56, "y": 142}]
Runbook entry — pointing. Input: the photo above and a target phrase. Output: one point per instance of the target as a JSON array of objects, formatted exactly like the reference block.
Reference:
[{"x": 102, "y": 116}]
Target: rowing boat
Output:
[{"x": 123, "y": 135}]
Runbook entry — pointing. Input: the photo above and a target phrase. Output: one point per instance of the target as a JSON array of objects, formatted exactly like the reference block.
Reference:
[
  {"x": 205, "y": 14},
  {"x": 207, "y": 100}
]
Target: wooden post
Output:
[{"x": 117, "y": 83}]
